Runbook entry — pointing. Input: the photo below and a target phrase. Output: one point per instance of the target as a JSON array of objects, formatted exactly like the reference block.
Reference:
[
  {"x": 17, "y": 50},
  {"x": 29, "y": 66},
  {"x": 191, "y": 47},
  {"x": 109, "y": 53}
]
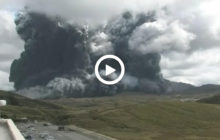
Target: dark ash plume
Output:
[{"x": 59, "y": 58}]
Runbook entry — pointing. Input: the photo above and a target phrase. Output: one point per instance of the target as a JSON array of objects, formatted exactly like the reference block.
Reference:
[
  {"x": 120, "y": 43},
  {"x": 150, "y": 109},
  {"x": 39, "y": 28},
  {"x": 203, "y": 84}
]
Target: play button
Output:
[{"x": 108, "y": 70}]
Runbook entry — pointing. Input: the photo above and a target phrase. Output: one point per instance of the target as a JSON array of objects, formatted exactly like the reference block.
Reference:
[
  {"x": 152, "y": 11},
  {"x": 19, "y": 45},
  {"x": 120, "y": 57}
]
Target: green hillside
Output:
[
  {"x": 19, "y": 106},
  {"x": 126, "y": 117},
  {"x": 17, "y": 100},
  {"x": 153, "y": 121}
]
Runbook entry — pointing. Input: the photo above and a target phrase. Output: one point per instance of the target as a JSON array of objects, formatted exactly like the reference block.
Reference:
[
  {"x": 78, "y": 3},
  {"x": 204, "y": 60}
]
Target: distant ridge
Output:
[
  {"x": 179, "y": 86},
  {"x": 184, "y": 88}
]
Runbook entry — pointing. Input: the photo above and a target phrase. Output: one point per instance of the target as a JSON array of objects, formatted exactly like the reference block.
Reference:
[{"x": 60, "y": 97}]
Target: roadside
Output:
[{"x": 90, "y": 134}]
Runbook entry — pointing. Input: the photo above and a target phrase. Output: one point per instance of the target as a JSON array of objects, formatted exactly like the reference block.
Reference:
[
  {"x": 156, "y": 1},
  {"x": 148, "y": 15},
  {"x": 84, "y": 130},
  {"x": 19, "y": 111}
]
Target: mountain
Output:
[
  {"x": 183, "y": 88},
  {"x": 179, "y": 86},
  {"x": 209, "y": 88}
]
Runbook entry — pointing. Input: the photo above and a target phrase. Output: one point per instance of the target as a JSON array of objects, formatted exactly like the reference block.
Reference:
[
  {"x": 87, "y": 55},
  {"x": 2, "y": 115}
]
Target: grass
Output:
[
  {"x": 126, "y": 117},
  {"x": 156, "y": 121},
  {"x": 19, "y": 106}
]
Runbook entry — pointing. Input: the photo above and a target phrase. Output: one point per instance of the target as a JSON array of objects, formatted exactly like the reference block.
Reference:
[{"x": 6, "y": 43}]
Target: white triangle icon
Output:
[{"x": 108, "y": 70}]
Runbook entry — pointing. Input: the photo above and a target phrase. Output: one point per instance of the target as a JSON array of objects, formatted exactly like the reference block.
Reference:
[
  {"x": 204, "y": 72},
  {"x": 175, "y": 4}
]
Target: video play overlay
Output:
[{"x": 109, "y": 69}]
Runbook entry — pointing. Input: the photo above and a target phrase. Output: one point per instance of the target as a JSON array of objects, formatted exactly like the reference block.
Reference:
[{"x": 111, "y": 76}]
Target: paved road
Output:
[
  {"x": 4, "y": 132},
  {"x": 52, "y": 130}
]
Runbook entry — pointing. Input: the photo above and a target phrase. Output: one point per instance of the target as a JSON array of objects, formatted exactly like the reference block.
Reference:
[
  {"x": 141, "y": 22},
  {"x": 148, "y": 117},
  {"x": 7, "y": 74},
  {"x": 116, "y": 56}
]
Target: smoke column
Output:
[{"x": 59, "y": 57}]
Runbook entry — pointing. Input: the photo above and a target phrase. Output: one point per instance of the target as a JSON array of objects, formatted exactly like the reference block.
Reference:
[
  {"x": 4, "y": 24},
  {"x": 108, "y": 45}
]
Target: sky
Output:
[{"x": 187, "y": 33}]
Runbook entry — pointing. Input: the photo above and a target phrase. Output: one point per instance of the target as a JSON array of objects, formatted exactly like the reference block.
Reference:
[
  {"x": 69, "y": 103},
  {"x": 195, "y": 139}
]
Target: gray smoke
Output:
[{"x": 59, "y": 58}]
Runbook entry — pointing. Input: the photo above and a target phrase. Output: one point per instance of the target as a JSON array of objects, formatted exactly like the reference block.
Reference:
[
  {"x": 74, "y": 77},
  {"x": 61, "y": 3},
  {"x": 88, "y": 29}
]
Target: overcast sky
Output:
[{"x": 193, "y": 26}]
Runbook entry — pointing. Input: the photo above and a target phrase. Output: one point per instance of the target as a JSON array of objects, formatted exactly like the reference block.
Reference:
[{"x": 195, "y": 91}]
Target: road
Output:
[{"x": 52, "y": 131}]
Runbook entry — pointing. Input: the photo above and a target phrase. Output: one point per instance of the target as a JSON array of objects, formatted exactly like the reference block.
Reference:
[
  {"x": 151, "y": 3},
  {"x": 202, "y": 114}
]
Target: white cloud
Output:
[
  {"x": 210, "y": 10},
  {"x": 191, "y": 60},
  {"x": 200, "y": 67},
  {"x": 159, "y": 36},
  {"x": 94, "y": 10},
  {"x": 4, "y": 81},
  {"x": 10, "y": 47}
]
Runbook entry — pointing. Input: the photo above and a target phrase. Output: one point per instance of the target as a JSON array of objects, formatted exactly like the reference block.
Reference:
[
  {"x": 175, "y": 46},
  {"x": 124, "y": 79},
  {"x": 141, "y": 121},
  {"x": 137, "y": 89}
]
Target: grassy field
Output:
[
  {"x": 126, "y": 117},
  {"x": 148, "y": 120}
]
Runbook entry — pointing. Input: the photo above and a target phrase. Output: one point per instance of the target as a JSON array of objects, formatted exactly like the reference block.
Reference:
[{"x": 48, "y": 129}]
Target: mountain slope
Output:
[
  {"x": 211, "y": 100},
  {"x": 165, "y": 120},
  {"x": 209, "y": 88},
  {"x": 18, "y": 100},
  {"x": 179, "y": 86},
  {"x": 19, "y": 106}
]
